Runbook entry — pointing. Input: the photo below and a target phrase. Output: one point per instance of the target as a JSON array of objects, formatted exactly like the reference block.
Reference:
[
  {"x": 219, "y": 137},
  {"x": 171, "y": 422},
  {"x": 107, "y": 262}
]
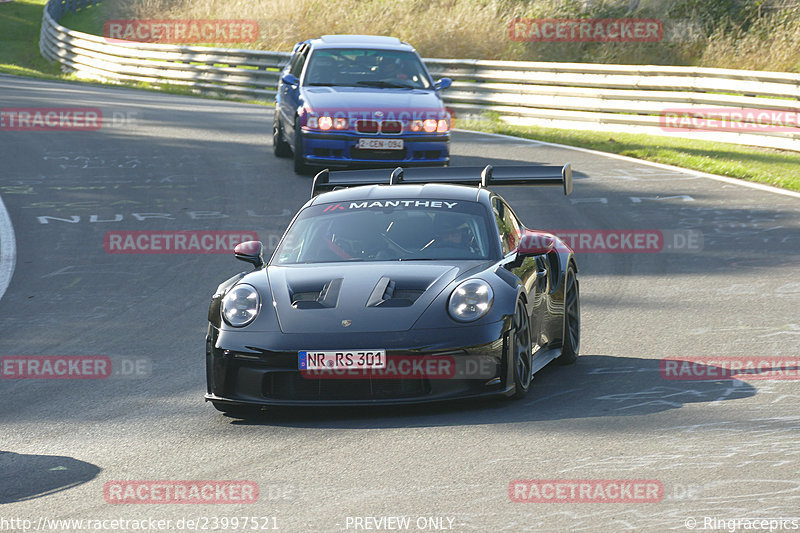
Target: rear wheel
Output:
[
  {"x": 279, "y": 145},
  {"x": 522, "y": 357},
  {"x": 300, "y": 166},
  {"x": 572, "y": 319}
]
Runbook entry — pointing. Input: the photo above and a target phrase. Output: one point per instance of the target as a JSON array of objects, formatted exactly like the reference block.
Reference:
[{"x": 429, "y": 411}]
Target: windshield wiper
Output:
[{"x": 387, "y": 84}]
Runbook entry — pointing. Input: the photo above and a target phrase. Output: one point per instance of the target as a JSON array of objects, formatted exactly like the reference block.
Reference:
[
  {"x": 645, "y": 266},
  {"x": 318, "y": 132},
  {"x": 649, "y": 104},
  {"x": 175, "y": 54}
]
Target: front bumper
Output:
[
  {"x": 240, "y": 370},
  {"x": 340, "y": 150}
]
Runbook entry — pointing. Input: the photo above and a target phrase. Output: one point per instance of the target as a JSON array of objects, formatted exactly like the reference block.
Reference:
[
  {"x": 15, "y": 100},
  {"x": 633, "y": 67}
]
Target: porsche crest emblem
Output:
[{"x": 346, "y": 323}]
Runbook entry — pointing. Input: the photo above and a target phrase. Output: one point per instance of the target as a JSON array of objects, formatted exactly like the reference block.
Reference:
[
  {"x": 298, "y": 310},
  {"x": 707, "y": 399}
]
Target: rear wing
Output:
[{"x": 538, "y": 175}]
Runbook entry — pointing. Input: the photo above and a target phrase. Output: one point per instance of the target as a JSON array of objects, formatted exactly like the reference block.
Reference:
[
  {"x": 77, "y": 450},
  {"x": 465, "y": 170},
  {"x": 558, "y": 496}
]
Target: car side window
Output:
[
  {"x": 508, "y": 225},
  {"x": 498, "y": 209},
  {"x": 298, "y": 61},
  {"x": 515, "y": 228}
]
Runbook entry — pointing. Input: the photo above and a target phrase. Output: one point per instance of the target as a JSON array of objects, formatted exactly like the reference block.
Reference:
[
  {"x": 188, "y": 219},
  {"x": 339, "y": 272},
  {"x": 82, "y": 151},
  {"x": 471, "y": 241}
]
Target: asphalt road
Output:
[{"x": 721, "y": 450}]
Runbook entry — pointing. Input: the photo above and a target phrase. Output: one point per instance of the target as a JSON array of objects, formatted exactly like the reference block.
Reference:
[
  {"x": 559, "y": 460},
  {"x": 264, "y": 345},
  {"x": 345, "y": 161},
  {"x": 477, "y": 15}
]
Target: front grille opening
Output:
[
  {"x": 377, "y": 155},
  {"x": 293, "y": 386},
  {"x": 391, "y": 127},
  {"x": 367, "y": 126}
]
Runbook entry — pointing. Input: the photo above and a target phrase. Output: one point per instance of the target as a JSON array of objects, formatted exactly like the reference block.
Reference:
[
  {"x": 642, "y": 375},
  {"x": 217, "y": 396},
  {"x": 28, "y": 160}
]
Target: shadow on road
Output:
[
  {"x": 24, "y": 477},
  {"x": 597, "y": 386}
]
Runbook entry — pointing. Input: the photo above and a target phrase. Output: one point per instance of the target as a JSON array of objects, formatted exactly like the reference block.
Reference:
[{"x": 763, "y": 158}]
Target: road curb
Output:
[{"x": 8, "y": 249}]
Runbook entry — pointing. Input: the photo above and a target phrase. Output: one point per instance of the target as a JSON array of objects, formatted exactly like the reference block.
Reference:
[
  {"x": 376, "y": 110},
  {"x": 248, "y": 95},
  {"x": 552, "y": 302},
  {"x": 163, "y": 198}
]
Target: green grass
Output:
[
  {"x": 20, "y": 23},
  {"x": 19, "y": 40},
  {"x": 763, "y": 165},
  {"x": 88, "y": 20}
]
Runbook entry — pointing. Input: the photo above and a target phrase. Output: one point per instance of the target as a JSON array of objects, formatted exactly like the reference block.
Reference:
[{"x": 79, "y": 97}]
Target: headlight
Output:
[
  {"x": 470, "y": 300},
  {"x": 429, "y": 125},
  {"x": 241, "y": 305}
]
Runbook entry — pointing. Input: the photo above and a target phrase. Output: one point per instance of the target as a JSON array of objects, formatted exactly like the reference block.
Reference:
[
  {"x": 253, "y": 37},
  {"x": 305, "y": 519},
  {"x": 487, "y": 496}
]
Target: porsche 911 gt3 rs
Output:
[{"x": 411, "y": 286}]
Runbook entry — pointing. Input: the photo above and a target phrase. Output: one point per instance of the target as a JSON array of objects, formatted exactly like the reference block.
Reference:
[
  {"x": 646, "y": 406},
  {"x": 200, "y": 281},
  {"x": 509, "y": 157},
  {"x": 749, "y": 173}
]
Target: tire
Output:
[
  {"x": 572, "y": 320},
  {"x": 279, "y": 145},
  {"x": 300, "y": 166},
  {"x": 521, "y": 356},
  {"x": 238, "y": 411}
]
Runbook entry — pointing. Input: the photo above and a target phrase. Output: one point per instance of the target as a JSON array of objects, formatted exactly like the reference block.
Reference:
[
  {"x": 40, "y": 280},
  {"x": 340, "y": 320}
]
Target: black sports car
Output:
[{"x": 425, "y": 287}]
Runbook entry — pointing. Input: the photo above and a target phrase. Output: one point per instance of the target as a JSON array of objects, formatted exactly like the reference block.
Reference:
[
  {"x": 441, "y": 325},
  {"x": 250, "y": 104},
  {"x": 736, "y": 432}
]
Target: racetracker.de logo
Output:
[
  {"x": 175, "y": 242},
  {"x": 55, "y": 367},
  {"x": 50, "y": 119},
  {"x": 181, "y": 31},
  {"x": 586, "y": 30},
  {"x": 724, "y": 368},
  {"x": 181, "y": 492},
  {"x": 728, "y": 119},
  {"x": 624, "y": 241},
  {"x": 586, "y": 491},
  {"x": 403, "y": 367}
]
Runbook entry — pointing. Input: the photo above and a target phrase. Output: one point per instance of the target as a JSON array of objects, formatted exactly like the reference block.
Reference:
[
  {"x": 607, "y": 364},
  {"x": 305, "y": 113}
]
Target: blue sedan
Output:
[{"x": 360, "y": 101}]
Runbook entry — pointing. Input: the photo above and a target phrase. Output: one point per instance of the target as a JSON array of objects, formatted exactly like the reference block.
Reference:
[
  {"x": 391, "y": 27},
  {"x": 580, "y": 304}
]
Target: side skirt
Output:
[{"x": 543, "y": 356}]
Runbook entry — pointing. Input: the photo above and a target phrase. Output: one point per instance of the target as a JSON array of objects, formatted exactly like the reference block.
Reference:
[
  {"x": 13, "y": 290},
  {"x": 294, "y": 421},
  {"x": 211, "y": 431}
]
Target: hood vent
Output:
[
  {"x": 317, "y": 297},
  {"x": 391, "y": 293}
]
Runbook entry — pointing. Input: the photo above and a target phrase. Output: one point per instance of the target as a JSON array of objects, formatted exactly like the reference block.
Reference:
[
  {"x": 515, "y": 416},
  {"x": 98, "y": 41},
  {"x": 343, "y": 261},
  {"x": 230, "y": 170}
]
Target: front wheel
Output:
[
  {"x": 279, "y": 145},
  {"x": 572, "y": 319},
  {"x": 300, "y": 166},
  {"x": 522, "y": 358}
]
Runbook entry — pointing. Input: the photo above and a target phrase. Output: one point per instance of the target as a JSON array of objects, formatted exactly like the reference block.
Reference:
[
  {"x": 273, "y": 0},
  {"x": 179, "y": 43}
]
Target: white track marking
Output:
[
  {"x": 8, "y": 249},
  {"x": 725, "y": 179}
]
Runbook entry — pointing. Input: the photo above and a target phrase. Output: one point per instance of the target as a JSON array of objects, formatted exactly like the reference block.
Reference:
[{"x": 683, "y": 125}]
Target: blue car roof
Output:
[{"x": 360, "y": 41}]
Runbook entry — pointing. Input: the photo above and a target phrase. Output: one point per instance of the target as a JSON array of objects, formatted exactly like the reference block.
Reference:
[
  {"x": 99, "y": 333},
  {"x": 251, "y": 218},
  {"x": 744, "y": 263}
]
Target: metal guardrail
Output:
[{"x": 626, "y": 98}]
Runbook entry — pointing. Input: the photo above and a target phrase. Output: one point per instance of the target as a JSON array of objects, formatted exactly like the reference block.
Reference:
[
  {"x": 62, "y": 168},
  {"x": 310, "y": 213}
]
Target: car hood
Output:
[
  {"x": 368, "y": 99},
  {"x": 376, "y": 296}
]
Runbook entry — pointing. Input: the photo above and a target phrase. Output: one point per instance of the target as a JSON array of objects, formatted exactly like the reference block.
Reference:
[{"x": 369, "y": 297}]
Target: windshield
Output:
[
  {"x": 387, "y": 230},
  {"x": 366, "y": 68}
]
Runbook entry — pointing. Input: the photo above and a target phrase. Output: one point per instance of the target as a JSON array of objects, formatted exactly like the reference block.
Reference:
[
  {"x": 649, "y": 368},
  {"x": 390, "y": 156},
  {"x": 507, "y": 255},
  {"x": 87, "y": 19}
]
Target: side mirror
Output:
[
  {"x": 442, "y": 84},
  {"x": 290, "y": 79},
  {"x": 250, "y": 252},
  {"x": 535, "y": 243}
]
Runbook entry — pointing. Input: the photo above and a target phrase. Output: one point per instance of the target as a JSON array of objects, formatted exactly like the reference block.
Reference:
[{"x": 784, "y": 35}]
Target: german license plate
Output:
[
  {"x": 380, "y": 144},
  {"x": 335, "y": 360}
]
